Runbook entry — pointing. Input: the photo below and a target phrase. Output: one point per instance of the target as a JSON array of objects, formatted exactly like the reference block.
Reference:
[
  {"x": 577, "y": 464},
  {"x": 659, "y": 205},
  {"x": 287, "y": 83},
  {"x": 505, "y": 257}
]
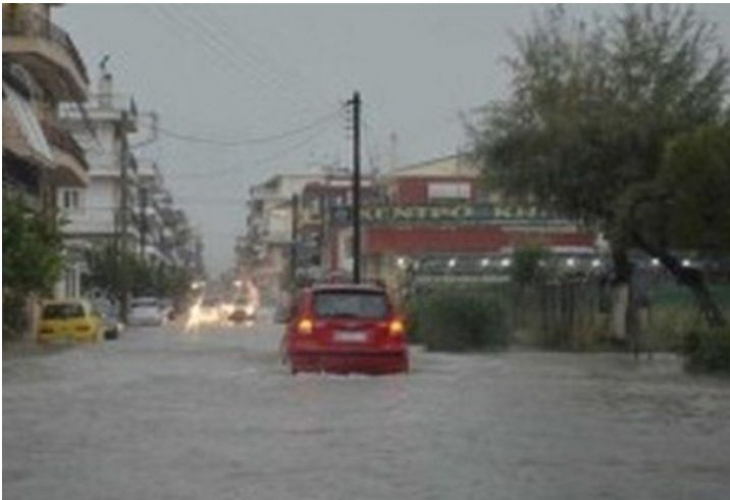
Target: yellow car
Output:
[{"x": 70, "y": 320}]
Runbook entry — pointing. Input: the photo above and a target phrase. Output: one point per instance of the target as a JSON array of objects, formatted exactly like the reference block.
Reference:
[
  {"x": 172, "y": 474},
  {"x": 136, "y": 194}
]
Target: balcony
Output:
[
  {"x": 71, "y": 167},
  {"x": 45, "y": 50},
  {"x": 114, "y": 107},
  {"x": 262, "y": 193}
]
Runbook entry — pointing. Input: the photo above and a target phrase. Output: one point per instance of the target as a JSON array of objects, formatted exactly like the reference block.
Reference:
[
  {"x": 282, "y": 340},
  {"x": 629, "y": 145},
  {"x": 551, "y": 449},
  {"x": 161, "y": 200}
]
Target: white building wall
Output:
[{"x": 97, "y": 213}]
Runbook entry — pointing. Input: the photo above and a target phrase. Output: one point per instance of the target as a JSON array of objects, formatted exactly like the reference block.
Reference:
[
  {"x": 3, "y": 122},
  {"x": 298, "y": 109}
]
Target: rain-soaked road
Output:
[{"x": 164, "y": 415}]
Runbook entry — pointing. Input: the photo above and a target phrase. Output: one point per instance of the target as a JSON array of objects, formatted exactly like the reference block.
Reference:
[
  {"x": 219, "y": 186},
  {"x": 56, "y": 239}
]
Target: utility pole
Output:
[
  {"x": 124, "y": 220},
  {"x": 294, "y": 239},
  {"x": 143, "y": 221},
  {"x": 355, "y": 186}
]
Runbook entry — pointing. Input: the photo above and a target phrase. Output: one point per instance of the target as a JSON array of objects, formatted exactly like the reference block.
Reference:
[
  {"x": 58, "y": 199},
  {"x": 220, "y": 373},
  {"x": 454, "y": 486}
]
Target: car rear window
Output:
[
  {"x": 63, "y": 311},
  {"x": 350, "y": 304}
]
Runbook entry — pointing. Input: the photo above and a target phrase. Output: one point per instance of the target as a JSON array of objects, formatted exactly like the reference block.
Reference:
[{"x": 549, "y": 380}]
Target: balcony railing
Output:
[
  {"x": 32, "y": 24},
  {"x": 63, "y": 140}
]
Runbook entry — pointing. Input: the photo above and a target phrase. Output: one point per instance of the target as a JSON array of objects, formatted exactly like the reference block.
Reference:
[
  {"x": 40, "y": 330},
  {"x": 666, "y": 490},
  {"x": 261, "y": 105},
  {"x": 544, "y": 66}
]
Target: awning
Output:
[{"x": 28, "y": 123}]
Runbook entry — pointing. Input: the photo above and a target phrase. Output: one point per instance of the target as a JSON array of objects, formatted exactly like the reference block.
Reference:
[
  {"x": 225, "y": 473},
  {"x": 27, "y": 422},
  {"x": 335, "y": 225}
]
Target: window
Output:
[
  {"x": 66, "y": 310},
  {"x": 350, "y": 304},
  {"x": 71, "y": 200},
  {"x": 449, "y": 191}
]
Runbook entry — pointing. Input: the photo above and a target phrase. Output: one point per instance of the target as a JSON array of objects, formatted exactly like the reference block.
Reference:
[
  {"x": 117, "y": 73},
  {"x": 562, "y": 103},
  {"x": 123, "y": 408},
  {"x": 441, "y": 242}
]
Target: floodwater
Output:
[{"x": 163, "y": 414}]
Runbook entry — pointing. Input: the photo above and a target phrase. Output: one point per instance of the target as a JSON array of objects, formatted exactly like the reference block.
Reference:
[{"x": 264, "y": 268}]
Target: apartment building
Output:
[{"x": 41, "y": 68}]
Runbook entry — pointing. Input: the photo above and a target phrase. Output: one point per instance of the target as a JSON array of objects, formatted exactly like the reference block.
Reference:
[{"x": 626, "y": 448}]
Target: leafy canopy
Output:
[
  {"x": 32, "y": 248},
  {"x": 593, "y": 109}
]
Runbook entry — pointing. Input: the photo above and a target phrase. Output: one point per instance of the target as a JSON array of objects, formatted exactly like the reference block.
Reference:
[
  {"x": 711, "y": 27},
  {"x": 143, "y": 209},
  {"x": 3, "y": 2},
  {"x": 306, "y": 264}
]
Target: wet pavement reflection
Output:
[{"x": 212, "y": 413}]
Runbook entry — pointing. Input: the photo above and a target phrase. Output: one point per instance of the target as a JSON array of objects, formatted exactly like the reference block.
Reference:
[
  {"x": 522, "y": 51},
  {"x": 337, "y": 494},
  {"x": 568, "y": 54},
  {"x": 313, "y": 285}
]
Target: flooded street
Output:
[{"x": 161, "y": 414}]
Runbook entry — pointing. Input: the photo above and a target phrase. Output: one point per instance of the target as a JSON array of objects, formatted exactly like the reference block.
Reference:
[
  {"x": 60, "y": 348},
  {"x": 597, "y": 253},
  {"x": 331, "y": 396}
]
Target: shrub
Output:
[
  {"x": 529, "y": 264},
  {"x": 458, "y": 321},
  {"x": 32, "y": 259},
  {"x": 708, "y": 350}
]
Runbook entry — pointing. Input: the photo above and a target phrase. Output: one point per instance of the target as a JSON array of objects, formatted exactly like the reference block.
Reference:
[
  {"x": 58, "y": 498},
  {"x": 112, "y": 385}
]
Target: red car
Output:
[{"x": 345, "y": 328}]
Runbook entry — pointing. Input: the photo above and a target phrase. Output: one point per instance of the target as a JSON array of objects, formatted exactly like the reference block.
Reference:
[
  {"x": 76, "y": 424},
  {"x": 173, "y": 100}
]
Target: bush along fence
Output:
[
  {"x": 458, "y": 320},
  {"x": 563, "y": 315},
  {"x": 707, "y": 350},
  {"x": 572, "y": 314}
]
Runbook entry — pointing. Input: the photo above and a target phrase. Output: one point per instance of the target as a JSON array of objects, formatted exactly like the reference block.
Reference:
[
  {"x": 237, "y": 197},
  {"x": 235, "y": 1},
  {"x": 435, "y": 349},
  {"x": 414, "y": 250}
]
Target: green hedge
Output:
[
  {"x": 458, "y": 321},
  {"x": 708, "y": 350}
]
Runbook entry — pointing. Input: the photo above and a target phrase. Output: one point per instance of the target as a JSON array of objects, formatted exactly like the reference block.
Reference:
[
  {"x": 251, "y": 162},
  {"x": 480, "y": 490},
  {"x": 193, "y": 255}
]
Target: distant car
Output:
[
  {"x": 209, "y": 311},
  {"x": 242, "y": 311},
  {"x": 345, "y": 328},
  {"x": 145, "y": 311},
  {"x": 70, "y": 320}
]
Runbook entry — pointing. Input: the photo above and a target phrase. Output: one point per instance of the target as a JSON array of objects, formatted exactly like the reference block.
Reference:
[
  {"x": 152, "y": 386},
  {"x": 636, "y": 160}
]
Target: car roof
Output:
[
  {"x": 54, "y": 302},
  {"x": 347, "y": 287}
]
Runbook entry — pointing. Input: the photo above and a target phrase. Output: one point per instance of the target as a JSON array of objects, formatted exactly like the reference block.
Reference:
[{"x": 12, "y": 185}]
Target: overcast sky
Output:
[{"x": 237, "y": 72}]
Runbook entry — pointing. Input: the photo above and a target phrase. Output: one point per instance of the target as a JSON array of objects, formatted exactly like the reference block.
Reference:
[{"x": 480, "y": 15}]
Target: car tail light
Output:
[
  {"x": 397, "y": 327},
  {"x": 305, "y": 326},
  {"x": 83, "y": 328}
]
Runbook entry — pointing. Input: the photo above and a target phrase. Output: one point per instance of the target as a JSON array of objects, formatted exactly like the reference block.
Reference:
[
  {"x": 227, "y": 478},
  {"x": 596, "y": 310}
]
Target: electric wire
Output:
[
  {"x": 249, "y": 141},
  {"x": 259, "y": 161},
  {"x": 221, "y": 33},
  {"x": 186, "y": 30},
  {"x": 208, "y": 35},
  {"x": 259, "y": 54}
]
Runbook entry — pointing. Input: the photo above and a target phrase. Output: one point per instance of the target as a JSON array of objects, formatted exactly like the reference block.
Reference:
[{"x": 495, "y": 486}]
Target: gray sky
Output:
[{"x": 235, "y": 72}]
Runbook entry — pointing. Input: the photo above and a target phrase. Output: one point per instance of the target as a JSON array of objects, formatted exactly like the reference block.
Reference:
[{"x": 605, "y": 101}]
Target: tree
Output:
[
  {"x": 686, "y": 206},
  {"x": 596, "y": 112},
  {"x": 32, "y": 256},
  {"x": 115, "y": 272}
]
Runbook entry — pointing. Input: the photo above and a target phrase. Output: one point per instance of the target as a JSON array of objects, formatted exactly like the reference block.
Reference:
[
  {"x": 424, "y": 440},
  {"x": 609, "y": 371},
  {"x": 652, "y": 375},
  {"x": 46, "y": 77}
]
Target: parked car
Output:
[
  {"x": 69, "y": 320},
  {"x": 145, "y": 311},
  {"x": 345, "y": 328}
]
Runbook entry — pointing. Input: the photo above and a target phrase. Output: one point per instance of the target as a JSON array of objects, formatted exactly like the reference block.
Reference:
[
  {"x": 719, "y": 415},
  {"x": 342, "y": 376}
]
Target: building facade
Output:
[
  {"x": 41, "y": 68},
  {"x": 42, "y": 161},
  {"x": 105, "y": 210},
  {"x": 286, "y": 227},
  {"x": 438, "y": 220}
]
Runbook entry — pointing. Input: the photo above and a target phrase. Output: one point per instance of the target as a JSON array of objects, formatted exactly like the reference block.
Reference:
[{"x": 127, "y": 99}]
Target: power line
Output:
[
  {"x": 217, "y": 55},
  {"x": 259, "y": 54},
  {"x": 238, "y": 170},
  {"x": 219, "y": 31},
  {"x": 249, "y": 141},
  {"x": 209, "y": 36},
  {"x": 191, "y": 29}
]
